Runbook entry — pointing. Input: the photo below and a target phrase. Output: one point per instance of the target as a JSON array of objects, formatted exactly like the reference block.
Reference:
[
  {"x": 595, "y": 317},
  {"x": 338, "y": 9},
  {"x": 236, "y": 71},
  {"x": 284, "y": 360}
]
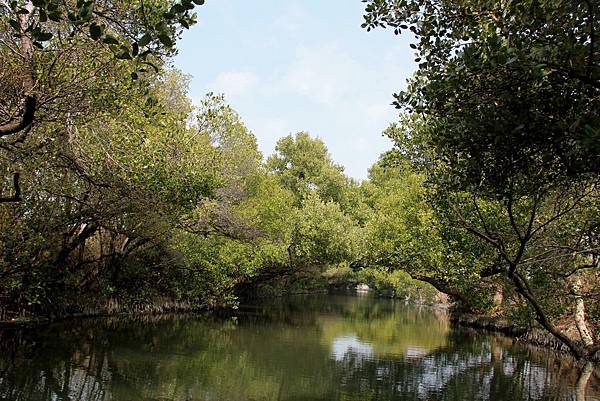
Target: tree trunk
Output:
[
  {"x": 26, "y": 115},
  {"x": 523, "y": 288},
  {"x": 439, "y": 285},
  {"x": 584, "y": 377},
  {"x": 580, "y": 322},
  {"x": 23, "y": 121}
]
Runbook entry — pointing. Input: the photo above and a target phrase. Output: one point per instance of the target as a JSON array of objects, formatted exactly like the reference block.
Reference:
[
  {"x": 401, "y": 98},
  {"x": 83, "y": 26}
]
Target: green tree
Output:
[
  {"x": 303, "y": 164},
  {"x": 99, "y": 200},
  {"x": 504, "y": 107},
  {"x": 323, "y": 234},
  {"x": 59, "y": 59},
  {"x": 406, "y": 232}
]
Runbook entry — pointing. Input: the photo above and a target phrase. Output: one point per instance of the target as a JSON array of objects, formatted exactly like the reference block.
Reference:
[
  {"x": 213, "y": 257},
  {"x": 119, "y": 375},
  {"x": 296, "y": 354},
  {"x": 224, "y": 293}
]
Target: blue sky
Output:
[{"x": 290, "y": 66}]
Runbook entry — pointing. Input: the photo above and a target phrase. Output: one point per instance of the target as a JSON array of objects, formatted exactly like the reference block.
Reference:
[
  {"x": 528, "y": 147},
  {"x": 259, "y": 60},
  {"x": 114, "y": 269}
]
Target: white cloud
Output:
[
  {"x": 325, "y": 74},
  {"x": 268, "y": 131},
  {"x": 379, "y": 112},
  {"x": 234, "y": 83},
  {"x": 291, "y": 20},
  {"x": 361, "y": 143}
]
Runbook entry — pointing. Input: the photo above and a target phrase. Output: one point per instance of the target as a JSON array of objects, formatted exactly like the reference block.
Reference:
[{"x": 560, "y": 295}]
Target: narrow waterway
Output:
[{"x": 319, "y": 347}]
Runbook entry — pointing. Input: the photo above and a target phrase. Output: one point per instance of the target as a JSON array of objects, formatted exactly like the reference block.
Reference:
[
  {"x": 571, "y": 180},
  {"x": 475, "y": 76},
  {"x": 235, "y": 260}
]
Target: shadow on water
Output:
[{"x": 322, "y": 347}]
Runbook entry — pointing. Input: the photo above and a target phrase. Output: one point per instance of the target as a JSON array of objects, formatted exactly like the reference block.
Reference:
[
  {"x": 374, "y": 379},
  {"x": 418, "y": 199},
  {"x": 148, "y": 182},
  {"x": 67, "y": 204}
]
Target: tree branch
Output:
[
  {"x": 523, "y": 288},
  {"x": 20, "y": 123},
  {"x": 16, "y": 197}
]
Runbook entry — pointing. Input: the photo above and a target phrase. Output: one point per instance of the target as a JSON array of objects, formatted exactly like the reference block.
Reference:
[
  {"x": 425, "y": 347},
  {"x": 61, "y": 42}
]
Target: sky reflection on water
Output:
[{"x": 302, "y": 348}]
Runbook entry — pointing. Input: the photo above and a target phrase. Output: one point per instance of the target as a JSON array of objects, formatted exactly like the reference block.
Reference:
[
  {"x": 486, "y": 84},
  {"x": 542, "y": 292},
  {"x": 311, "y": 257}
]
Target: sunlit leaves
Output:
[
  {"x": 502, "y": 116},
  {"x": 152, "y": 27},
  {"x": 303, "y": 164}
]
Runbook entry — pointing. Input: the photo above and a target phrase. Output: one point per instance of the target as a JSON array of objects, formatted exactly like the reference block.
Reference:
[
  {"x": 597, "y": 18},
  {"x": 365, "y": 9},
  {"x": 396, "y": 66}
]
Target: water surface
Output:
[{"x": 323, "y": 347}]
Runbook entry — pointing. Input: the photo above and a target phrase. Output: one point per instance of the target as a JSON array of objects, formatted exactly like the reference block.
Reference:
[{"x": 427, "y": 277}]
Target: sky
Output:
[{"x": 300, "y": 65}]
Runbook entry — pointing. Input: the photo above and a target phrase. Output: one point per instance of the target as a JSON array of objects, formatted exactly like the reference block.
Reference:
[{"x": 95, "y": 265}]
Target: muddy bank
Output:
[
  {"x": 532, "y": 335},
  {"x": 109, "y": 309},
  {"x": 486, "y": 323}
]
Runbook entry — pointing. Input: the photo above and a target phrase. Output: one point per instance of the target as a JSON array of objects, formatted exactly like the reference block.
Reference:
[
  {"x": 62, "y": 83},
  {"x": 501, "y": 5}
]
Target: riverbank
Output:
[
  {"x": 532, "y": 336},
  {"x": 111, "y": 308},
  {"x": 486, "y": 323}
]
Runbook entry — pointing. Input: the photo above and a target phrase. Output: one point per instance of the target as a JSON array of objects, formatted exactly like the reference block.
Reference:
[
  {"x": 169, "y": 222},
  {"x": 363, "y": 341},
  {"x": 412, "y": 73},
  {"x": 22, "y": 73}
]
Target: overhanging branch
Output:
[{"x": 18, "y": 124}]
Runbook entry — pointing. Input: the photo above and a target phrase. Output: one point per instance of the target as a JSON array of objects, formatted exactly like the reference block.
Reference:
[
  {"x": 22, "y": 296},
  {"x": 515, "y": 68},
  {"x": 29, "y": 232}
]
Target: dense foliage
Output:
[
  {"x": 502, "y": 118},
  {"x": 117, "y": 193}
]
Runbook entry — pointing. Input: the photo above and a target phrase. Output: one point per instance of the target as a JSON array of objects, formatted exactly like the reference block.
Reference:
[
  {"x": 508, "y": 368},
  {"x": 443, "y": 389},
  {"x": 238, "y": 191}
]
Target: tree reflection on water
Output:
[{"x": 315, "y": 348}]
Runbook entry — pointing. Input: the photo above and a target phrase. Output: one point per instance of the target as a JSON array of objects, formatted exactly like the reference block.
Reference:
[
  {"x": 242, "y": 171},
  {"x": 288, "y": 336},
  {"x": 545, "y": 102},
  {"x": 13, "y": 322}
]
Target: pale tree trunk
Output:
[
  {"x": 28, "y": 78},
  {"x": 584, "y": 377},
  {"x": 21, "y": 123},
  {"x": 580, "y": 322}
]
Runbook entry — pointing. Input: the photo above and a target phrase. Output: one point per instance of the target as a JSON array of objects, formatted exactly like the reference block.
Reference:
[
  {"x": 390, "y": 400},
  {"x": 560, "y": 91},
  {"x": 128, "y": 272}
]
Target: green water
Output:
[{"x": 323, "y": 347}]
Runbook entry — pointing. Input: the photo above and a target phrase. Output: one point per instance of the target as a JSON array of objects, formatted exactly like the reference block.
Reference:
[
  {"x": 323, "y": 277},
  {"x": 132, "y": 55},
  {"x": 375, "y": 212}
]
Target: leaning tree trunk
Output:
[
  {"x": 584, "y": 377},
  {"x": 580, "y": 322},
  {"x": 524, "y": 289}
]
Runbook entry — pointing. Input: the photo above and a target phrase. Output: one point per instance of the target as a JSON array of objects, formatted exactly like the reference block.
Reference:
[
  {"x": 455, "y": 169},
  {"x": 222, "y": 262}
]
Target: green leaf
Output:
[
  {"x": 165, "y": 39},
  {"x": 199, "y": 2},
  {"x": 15, "y": 25},
  {"x": 123, "y": 54},
  {"x": 110, "y": 40},
  {"x": 144, "y": 54},
  {"x": 43, "y": 36},
  {"x": 85, "y": 12},
  {"x": 54, "y": 15},
  {"x": 177, "y": 9},
  {"x": 144, "y": 40},
  {"x": 95, "y": 31},
  {"x": 151, "y": 65},
  {"x": 52, "y": 6}
]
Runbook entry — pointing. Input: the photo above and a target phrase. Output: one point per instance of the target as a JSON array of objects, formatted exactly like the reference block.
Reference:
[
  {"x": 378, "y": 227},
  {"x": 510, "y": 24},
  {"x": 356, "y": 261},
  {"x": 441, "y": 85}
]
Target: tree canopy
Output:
[
  {"x": 502, "y": 116},
  {"x": 118, "y": 193}
]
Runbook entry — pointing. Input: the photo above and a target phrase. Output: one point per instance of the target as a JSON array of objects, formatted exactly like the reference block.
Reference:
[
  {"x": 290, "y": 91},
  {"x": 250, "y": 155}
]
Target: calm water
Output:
[{"x": 325, "y": 347}]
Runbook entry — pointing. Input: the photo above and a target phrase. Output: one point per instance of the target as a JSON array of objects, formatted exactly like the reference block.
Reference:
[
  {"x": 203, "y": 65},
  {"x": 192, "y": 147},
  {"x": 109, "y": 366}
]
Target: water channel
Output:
[{"x": 300, "y": 348}]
